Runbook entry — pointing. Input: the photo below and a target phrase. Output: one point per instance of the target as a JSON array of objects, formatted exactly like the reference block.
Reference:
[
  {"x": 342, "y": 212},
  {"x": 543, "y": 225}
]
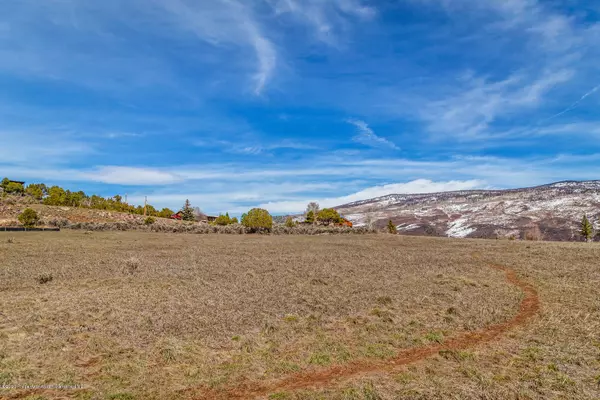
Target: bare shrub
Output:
[
  {"x": 58, "y": 222},
  {"x": 44, "y": 278},
  {"x": 533, "y": 234},
  {"x": 204, "y": 228},
  {"x": 131, "y": 265}
]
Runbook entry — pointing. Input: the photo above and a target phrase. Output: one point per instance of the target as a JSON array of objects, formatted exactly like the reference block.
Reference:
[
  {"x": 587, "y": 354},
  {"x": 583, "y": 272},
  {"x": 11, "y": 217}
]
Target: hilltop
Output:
[{"x": 551, "y": 212}]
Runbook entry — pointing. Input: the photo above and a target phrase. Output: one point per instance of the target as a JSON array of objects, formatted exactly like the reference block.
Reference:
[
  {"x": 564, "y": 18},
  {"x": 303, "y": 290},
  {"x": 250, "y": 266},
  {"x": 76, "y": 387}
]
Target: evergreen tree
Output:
[
  {"x": 586, "y": 229},
  {"x": 4, "y": 183},
  {"x": 289, "y": 222},
  {"x": 391, "y": 227},
  {"x": 36, "y": 190},
  {"x": 310, "y": 217},
  {"x": 312, "y": 207},
  {"x": 187, "y": 212}
]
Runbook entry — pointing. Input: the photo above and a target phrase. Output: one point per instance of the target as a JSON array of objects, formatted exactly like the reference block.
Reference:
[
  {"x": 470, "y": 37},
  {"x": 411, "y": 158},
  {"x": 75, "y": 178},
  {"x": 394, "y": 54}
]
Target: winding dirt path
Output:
[{"x": 328, "y": 376}]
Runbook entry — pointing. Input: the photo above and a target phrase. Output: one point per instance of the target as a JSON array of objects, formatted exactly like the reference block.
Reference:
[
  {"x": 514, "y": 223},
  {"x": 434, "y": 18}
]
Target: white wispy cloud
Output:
[
  {"x": 120, "y": 175},
  {"x": 575, "y": 104},
  {"x": 254, "y": 147},
  {"x": 17, "y": 147},
  {"x": 327, "y": 18},
  {"x": 556, "y": 52},
  {"x": 367, "y": 137},
  {"x": 287, "y": 187},
  {"x": 469, "y": 113},
  {"x": 227, "y": 23},
  {"x": 416, "y": 186}
]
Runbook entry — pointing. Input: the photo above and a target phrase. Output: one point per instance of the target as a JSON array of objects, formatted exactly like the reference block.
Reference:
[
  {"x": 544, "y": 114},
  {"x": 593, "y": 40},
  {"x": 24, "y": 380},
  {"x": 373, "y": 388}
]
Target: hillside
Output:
[
  {"x": 553, "y": 211},
  {"x": 54, "y": 215}
]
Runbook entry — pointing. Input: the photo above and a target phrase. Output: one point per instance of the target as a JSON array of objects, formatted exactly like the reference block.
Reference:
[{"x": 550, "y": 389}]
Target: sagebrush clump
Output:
[
  {"x": 131, "y": 265},
  {"x": 29, "y": 218},
  {"x": 203, "y": 228}
]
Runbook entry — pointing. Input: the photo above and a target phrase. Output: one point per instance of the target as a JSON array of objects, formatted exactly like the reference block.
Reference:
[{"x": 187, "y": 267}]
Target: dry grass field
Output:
[{"x": 130, "y": 315}]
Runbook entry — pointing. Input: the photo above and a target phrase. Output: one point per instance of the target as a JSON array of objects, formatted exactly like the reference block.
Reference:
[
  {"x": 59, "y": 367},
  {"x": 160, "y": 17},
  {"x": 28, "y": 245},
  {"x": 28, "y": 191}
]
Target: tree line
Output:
[{"x": 57, "y": 196}]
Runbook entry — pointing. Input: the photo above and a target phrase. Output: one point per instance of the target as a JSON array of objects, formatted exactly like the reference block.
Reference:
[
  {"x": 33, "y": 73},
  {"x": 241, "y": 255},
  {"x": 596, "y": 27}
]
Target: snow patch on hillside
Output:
[{"x": 459, "y": 228}]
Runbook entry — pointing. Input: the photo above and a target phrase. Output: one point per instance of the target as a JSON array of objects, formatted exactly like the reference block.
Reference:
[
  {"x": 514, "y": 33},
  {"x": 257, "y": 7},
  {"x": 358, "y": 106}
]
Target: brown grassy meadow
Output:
[{"x": 133, "y": 315}]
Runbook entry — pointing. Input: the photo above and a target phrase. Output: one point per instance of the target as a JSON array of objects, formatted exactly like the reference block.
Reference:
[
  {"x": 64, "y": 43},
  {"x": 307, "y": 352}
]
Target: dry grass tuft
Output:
[
  {"x": 44, "y": 278},
  {"x": 131, "y": 265}
]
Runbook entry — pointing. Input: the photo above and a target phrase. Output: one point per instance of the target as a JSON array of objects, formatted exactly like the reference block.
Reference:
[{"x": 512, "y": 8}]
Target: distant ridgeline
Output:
[{"x": 57, "y": 196}]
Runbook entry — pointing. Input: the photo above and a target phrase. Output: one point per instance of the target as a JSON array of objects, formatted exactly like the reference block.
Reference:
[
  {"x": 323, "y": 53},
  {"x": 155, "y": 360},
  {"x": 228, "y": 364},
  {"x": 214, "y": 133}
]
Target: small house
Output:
[{"x": 206, "y": 218}]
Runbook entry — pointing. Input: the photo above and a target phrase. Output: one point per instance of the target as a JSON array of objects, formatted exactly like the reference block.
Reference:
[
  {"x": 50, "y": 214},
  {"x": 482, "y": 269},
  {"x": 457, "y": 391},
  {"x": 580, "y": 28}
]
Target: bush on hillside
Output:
[
  {"x": 149, "y": 220},
  {"x": 258, "y": 220},
  {"x": 9, "y": 187},
  {"x": 36, "y": 190},
  {"x": 29, "y": 218},
  {"x": 289, "y": 222}
]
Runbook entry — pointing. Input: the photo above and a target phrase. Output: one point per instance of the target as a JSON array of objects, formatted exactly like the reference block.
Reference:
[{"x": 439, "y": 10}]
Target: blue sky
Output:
[{"x": 275, "y": 103}]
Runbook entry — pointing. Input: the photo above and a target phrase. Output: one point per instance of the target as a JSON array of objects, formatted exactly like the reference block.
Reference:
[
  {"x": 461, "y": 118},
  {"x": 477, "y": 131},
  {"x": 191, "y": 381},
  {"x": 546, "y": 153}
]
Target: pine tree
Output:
[
  {"x": 310, "y": 217},
  {"x": 586, "y": 228},
  {"x": 391, "y": 227},
  {"x": 187, "y": 212},
  {"x": 312, "y": 207}
]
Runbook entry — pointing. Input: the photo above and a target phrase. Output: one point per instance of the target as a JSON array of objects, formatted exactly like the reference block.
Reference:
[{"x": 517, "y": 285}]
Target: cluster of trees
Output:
[
  {"x": 225, "y": 220},
  {"x": 57, "y": 196},
  {"x": 324, "y": 216},
  {"x": 257, "y": 219},
  {"x": 9, "y": 187}
]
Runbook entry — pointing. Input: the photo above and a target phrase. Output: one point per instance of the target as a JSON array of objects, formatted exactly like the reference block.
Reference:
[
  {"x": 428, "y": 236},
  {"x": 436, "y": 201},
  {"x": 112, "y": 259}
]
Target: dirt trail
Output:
[{"x": 324, "y": 377}]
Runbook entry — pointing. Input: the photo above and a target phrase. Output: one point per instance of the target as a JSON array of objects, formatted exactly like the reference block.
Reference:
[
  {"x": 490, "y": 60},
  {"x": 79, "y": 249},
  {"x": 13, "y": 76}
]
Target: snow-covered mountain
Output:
[{"x": 552, "y": 211}]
